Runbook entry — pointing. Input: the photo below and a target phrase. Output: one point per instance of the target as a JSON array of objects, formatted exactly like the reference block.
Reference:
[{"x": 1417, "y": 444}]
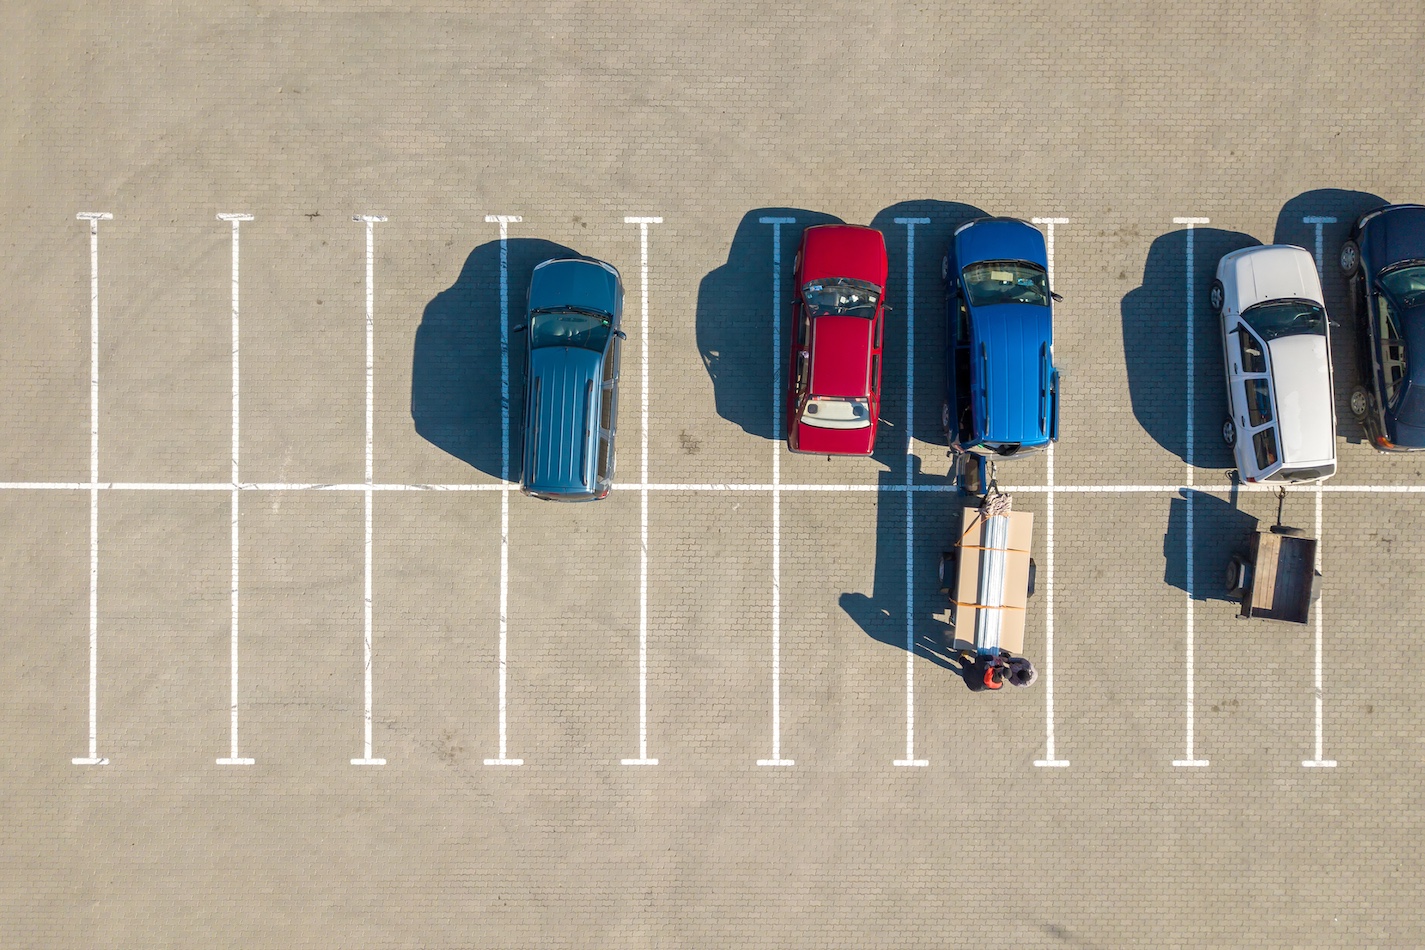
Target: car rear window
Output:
[{"x": 1265, "y": 444}]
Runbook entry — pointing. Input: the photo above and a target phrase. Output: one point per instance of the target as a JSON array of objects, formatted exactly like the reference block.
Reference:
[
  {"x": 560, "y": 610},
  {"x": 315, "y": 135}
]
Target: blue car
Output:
[
  {"x": 1002, "y": 393},
  {"x": 571, "y": 380},
  {"x": 1384, "y": 265}
]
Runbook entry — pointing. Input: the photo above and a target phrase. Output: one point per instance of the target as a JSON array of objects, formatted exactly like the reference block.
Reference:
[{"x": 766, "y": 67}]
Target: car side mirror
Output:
[
  {"x": 1056, "y": 297},
  {"x": 621, "y": 335},
  {"x": 1335, "y": 324},
  {"x": 519, "y": 328}
]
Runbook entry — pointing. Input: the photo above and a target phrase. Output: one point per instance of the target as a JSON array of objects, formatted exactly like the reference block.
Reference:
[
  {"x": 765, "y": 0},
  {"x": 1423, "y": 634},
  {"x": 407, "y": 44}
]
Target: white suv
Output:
[{"x": 1276, "y": 346}]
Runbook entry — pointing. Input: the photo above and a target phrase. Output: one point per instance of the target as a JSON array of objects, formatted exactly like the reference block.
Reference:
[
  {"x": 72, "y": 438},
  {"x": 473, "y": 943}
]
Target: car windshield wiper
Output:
[{"x": 570, "y": 308}]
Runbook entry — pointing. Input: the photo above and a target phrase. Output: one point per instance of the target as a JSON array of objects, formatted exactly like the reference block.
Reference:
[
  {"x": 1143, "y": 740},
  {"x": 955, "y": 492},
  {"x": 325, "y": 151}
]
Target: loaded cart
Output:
[
  {"x": 989, "y": 577},
  {"x": 1274, "y": 575}
]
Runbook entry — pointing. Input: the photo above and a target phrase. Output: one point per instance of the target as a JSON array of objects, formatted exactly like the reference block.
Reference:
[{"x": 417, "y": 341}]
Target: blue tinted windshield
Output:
[{"x": 582, "y": 328}]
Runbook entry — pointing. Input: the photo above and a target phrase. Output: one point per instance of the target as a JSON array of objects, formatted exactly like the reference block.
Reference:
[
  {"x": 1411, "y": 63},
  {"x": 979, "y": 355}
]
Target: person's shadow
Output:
[
  {"x": 1296, "y": 225},
  {"x": 736, "y": 319},
  {"x": 1155, "y": 345},
  {"x": 882, "y": 613},
  {"x": 456, "y": 362}
]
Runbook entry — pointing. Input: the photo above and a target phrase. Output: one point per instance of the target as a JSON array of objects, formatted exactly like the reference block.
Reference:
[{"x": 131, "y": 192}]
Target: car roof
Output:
[
  {"x": 561, "y": 434},
  {"x": 1301, "y": 386},
  {"x": 1011, "y": 344},
  {"x": 1000, "y": 239},
  {"x": 841, "y": 353},
  {"x": 1275, "y": 272},
  {"x": 844, "y": 250}
]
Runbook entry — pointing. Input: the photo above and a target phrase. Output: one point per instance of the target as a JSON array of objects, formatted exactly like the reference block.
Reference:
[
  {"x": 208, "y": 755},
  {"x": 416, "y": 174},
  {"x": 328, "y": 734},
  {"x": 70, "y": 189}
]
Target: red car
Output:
[{"x": 838, "y": 322}]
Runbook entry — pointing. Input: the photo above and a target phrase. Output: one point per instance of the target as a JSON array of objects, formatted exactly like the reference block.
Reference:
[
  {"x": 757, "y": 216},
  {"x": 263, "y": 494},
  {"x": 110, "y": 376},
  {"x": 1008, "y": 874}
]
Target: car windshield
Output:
[
  {"x": 1405, "y": 285},
  {"x": 992, "y": 282},
  {"x": 1280, "y": 318},
  {"x": 841, "y": 296},
  {"x": 569, "y": 327}
]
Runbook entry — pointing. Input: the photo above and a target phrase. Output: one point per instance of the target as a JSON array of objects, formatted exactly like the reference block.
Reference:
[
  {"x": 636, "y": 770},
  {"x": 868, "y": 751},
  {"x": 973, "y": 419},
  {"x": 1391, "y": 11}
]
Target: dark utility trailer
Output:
[{"x": 1274, "y": 575}]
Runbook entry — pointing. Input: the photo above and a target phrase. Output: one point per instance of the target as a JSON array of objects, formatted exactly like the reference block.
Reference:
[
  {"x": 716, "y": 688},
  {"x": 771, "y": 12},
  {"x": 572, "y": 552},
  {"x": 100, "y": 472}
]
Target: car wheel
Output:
[
  {"x": 945, "y": 269},
  {"x": 1216, "y": 296},
  {"x": 945, "y": 418},
  {"x": 1229, "y": 432},
  {"x": 1360, "y": 402},
  {"x": 1350, "y": 258}
]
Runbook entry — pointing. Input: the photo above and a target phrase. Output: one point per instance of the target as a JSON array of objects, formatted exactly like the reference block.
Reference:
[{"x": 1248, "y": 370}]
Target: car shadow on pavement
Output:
[
  {"x": 1293, "y": 228},
  {"x": 1219, "y": 529},
  {"x": 455, "y": 364},
  {"x": 1155, "y": 345},
  {"x": 931, "y": 242},
  {"x": 882, "y": 613},
  {"x": 736, "y": 319}
]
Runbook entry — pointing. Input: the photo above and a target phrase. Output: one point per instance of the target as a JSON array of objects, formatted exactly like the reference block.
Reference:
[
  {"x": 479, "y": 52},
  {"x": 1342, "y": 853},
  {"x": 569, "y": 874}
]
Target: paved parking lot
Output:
[{"x": 288, "y": 665}]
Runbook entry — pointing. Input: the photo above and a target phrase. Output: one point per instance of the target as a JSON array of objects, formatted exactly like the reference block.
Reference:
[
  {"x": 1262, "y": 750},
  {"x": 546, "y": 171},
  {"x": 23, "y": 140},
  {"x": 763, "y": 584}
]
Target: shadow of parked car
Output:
[
  {"x": 456, "y": 361},
  {"x": 1155, "y": 334},
  {"x": 736, "y": 317}
]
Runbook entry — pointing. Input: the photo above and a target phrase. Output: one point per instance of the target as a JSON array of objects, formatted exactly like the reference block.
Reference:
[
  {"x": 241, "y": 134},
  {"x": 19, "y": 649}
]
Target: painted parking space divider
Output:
[
  {"x": 910, "y": 759},
  {"x": 1190, "y": 760},
  {"x": 370, "y": 220},
  {"x": 777, "y": 398},
  {"x": 233, "y": 758},
  {"x": 1050, "y": 760},
  {"x": 504, "y": 221},
  {"x": 93, "y": 217},
  {"x": 643, "y": 758}
]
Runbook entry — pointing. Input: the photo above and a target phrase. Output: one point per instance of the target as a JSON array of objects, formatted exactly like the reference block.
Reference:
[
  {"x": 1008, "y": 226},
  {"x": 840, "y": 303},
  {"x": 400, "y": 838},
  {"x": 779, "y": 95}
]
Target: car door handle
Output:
[{"x": 1242, "y": 421}]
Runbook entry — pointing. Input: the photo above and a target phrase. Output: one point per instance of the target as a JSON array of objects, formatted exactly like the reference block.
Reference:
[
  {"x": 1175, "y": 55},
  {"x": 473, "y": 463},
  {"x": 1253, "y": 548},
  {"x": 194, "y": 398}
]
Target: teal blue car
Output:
[{"x": 571, "y": 379}]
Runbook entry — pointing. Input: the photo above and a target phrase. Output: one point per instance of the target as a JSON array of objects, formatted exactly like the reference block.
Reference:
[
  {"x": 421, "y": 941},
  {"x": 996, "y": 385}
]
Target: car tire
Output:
[
  {"x": 1350, "y": 258},
  {"x": 1360, "y": 402},
  {"x": 945, "y": 419},
  {"x": 1229, "y": 432},
  {"x": 1216, "y": 296},
  {"x": 945, "y": 270}
]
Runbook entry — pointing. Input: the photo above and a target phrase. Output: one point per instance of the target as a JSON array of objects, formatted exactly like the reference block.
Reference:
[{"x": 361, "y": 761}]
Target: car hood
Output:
[
  {"x": 843, "y": 353},
  {"x": 576, "y": 283},
  {"x": 560, "y": 443},
  {"x": 844, "y": 250},
  {"x": 1000, "y": 239},
  {"x": 1395, "y": 235},
  {"x": 1301, "y": 381},
  {"x": 1011, "y": 343},
  {"x": 1277, "y": 272}
]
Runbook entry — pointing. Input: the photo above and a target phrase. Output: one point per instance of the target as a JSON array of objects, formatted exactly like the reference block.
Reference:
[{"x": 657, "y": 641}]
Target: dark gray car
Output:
[{"x": 571, "y": 379}]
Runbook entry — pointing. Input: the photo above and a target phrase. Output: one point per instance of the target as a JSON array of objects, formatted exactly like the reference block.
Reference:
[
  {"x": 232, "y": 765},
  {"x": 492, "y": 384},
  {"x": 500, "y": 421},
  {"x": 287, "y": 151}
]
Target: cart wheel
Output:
[
  {"x": 1033, "y": 572},
  {"x": 1233, "y": 580},
  {"x": 947, "y": 570},
  {"x": 1287, "y": 530},
  {"x": 1316, "y": 587}
]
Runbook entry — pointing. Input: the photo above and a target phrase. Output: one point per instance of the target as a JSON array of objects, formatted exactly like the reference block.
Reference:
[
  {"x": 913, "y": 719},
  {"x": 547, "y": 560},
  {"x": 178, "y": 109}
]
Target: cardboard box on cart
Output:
[{"x": 1016, "y": 579}]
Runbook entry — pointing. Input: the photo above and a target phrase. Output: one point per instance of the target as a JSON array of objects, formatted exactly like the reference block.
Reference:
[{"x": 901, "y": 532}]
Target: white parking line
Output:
[
  {"x": 504, "y": 220},
  {"x": 643, "y": 758},
  {"x": 233, "y": 758},
  {"x": 1190, "y": 760},
  {"x": 910, "y": 759},
  {"x": 1318, "y": 221},
  {"x": 370, "y": 221},
  {"x": 93, "y": 217},
  {"x": 1050, "y": 760},
  {"x": 777, "y": 397}
]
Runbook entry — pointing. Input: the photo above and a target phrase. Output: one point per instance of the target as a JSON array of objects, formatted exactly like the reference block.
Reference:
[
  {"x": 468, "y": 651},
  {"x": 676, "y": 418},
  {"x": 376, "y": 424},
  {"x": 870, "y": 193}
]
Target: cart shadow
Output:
[
  {"x": 1155, "y": 344},
  {"x": 1219, "y": 528},
  {"x": 882, "y": 613},
  {"x": 735, "y": 322},
  {"x": 1345, "y": 207},
  {"x": 456, "y": 364}
]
